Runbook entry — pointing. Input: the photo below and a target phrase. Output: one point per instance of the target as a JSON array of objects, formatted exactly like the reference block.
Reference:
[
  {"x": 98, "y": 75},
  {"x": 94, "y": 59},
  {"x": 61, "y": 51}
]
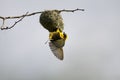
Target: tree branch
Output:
[
  {"x": 71, "y": 10},
  {"x": 3, "y": 27}
]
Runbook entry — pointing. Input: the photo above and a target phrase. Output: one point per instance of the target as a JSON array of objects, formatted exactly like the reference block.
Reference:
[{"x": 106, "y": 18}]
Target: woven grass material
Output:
[{"x": 51, "y": 20}]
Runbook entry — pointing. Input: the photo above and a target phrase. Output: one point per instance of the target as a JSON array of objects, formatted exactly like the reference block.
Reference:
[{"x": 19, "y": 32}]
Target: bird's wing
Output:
[{"x": 58, "y": 52}]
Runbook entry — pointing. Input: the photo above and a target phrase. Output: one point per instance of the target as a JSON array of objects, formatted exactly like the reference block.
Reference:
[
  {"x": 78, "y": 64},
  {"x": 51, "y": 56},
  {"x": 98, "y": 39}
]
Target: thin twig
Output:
[
  {"x": 26, "y": 15},
  {"x": 3, "y": 24},
  {"x": 18, "y": 21},
  {"x": 71, "y": 10},
  {"x": 5, "y": 28}
]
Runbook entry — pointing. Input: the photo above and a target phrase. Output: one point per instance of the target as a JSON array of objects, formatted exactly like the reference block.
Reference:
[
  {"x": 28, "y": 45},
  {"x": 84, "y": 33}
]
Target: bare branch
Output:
[
  {"x": 4, "y": 28},
  {"x": 71, "y": 10},
  {"x": 3, "y": 23},
  {"x": 1, "y": 17},
  {"x": 26, "y": 15}
]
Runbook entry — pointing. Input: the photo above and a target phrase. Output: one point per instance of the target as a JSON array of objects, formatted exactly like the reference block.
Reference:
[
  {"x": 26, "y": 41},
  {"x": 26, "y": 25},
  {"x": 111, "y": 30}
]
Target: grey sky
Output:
[{"x": 92, "y": 51}]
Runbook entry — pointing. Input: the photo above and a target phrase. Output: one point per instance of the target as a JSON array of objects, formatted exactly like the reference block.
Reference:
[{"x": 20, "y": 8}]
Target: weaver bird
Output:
[{"x": 57, "y": 41}]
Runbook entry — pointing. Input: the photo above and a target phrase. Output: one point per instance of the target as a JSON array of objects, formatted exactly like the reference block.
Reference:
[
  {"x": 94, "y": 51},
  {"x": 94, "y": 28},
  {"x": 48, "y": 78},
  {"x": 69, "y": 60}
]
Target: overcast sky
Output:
[{"x": 92, "y": 50}]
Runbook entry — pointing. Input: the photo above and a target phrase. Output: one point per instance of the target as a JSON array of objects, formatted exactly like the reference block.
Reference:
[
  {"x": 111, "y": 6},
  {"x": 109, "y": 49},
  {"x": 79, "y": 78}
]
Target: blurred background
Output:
[{"x": 92, "y": 50}]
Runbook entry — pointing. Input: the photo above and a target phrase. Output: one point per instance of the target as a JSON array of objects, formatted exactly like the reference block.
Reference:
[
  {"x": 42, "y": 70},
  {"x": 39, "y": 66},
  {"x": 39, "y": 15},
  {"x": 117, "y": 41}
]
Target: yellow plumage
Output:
[
  {"x": 57, "y": 35},
  {"x": 57, "y": 41}
]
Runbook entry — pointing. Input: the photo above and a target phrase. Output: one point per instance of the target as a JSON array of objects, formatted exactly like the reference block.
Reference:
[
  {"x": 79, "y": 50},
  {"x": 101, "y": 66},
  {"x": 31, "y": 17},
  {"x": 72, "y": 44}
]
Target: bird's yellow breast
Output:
[{"x": 57, "y": 35}]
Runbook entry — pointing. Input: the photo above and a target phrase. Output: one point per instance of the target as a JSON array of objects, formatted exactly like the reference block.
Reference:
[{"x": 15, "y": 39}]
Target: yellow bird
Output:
[{"x": 57, "y": 41}]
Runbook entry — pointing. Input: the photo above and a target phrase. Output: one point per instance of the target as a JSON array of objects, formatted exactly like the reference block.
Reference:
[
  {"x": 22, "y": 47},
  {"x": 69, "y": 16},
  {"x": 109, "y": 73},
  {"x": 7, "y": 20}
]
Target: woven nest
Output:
[{"x": 51, "y": 20}]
